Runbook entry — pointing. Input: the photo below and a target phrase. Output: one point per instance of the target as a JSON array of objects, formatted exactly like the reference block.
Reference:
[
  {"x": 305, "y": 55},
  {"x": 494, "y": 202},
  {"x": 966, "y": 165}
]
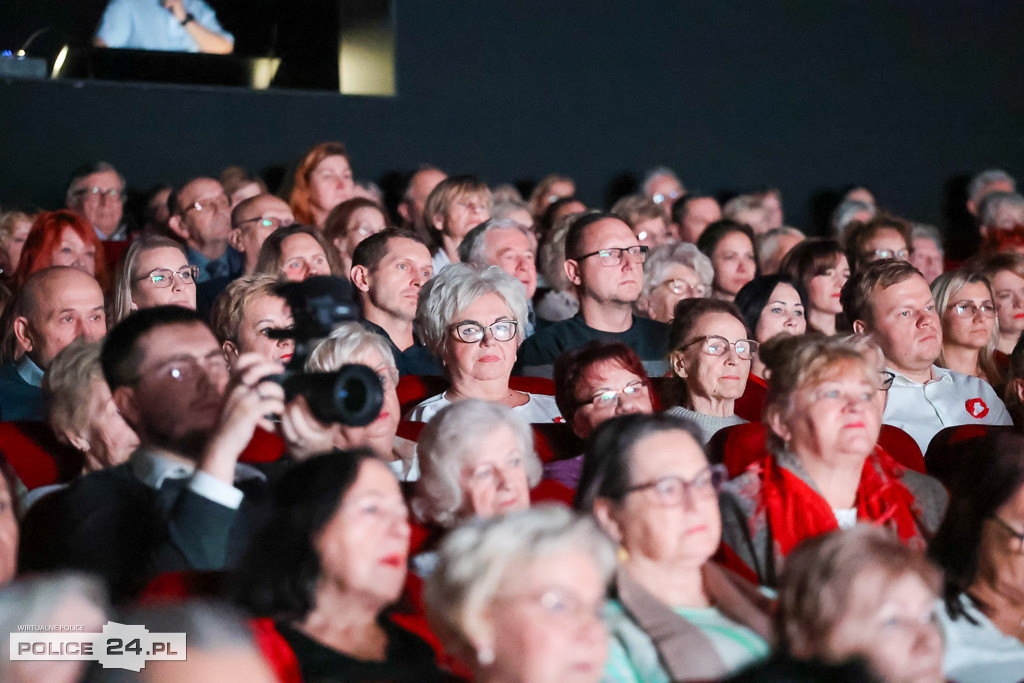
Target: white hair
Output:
[
  {"x": 683, "y": 253},
  {"x": 843, "y": 215},
  {"x": 988, "y": 177},
  {"x": 994, "y": 202},
  {"x": 473, "y": 249},
  {"x": 654, "y": 174},
  {"x": 926, "y": 232},
  {"x": 348, "y": 343}
]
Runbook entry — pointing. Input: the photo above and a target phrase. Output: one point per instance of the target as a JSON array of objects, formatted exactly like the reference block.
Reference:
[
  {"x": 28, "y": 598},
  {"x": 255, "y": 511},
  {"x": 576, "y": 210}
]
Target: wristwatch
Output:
[{"x": 188, "y": 17}]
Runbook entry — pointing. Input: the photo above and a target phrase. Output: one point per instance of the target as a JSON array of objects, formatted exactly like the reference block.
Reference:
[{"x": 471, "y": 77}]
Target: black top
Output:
[
  {"x": 408, "y": 658},
  {"x": 415, "y": 360}
]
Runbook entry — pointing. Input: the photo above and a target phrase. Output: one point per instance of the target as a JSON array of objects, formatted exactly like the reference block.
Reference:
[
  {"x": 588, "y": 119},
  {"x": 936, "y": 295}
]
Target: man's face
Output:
[
  {"x": 700, "y": 213},
  {"x": 512, "y": 251},
  {"x": 396, "y": 281},
  {"x": 906, "y": 325},
  {"x": 615, "y": 284},
  {"x": 103, "y": 207},
  {"x": 254, "y": 224},
  {"x": 177, "y": 397},
  {"x": 68, "y": 306},
  {"x": 420, "y": 187},
  {"x": 665, "y": 190},
  {"x": 205, "y": 212},
  {"x": 463, "y": 213}
]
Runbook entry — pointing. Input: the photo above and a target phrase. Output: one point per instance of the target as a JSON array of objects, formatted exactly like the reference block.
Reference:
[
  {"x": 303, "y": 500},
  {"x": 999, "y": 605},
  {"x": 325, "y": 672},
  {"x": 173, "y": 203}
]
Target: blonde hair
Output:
[
  {"x": 231, "y": 307},
  {"x": 944, "y": 288}
]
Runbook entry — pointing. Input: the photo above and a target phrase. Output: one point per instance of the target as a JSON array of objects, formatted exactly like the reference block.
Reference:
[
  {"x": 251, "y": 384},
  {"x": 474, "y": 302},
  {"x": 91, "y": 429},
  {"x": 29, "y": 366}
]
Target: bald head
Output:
[
  {"x": 253, "y": 220},
  {"x": 54, "y": 307}
]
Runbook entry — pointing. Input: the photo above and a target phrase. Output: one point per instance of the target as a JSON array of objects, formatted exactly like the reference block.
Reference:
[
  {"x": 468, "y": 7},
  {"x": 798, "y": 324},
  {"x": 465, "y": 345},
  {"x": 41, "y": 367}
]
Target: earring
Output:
[
  {"x": 621, "y": 554},
  {"x": 485, "y": 656}
]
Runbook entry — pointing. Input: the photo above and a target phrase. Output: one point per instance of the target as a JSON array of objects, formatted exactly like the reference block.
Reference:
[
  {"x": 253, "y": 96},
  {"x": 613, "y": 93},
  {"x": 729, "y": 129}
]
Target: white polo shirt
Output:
[{"x": 949, "y": 399}]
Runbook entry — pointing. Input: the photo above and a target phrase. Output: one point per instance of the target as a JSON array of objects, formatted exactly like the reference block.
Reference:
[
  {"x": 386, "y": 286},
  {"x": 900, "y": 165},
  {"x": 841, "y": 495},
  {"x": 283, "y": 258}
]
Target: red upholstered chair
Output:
[
  {"x": 750, "y": 405},
  {"x": 414, "y": 388},
  {"x": 264, "y": 447},
  {"x": 37, "y": 457},
  {"x": 665, "y": 392},
  {"x": 533, "y": 385}
]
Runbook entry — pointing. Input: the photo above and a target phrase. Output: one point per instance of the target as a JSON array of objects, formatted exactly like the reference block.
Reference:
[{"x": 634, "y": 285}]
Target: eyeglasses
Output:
[
  {"x": 101, "y": 192},
  {"x": 188, "y": 368},
  {"x": 683, "y": 288},
  {"x": 388, "y": 378},
  {"x": 659, "y": 197},
  {"x": 887, "y": 253},
  {"x": 613, "y": 256},
  {"x": 472, "y": 332},
  {"x": 561, "y": 604},
  {"x": 222, "y": 202},
  {"x": 611, "y": 398},
  {"x": 887, "y": 379},
  {"x": 367, "y": 230},
  {"x": 1013, "y": 532},
  {"x": 267, "y": 222},
  {"x": 471, "y": 205},
  {"x": 968, "y": 309},
  {"x": 673, "y": 490},
  {"x": 164, "y": 277},
  {"x": 718, "y": 346}
]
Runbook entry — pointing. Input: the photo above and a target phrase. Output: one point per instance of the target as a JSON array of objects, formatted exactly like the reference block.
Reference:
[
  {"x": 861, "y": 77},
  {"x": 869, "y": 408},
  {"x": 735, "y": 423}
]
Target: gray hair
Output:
[
  {"x": 767, "y": 243},
  {"x": 843, "y": 215},
  {"x": 506, "y": 193},
  {"x": 473, "y": 249},
  {"x": 83, "y": 172},
  {"x": 988, "y": 177},
  {"x": 67, "y": 386},
  {"x": 657, "y": 172},
  {"x": 126, "y": 275},
  {"x": 741, "y": 203},
  {"x": 506, "y": 207},
  {"x": 926, "y": 232},
  {"x": 348, "y": 343},
  {"x": 453, "y": 290},
  {"x": 683, "y": 253},
  {"x": 994, "y": 202},
  {"x": 448, "y": 441},
  {"x": 477, "y": 559}
]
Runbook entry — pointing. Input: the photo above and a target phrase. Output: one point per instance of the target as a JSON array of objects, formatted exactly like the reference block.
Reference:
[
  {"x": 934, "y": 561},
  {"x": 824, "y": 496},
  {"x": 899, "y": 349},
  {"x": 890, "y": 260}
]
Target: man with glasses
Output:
[
  {"x": 890, "y": 300},
  {"x": 201, "y": 218},
  {"x": 96, "y": 192},
  {"x": 604, "y": 261}
]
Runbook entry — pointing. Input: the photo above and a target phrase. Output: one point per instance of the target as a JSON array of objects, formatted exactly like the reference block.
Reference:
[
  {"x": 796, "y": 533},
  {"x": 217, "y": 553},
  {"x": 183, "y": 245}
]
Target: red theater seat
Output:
[{"x": 37, "y": 457}]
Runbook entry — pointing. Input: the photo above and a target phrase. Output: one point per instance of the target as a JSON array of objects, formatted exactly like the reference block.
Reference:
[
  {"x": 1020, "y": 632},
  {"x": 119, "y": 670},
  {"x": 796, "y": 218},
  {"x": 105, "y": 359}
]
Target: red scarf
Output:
[{"x": 795, "y": 511}]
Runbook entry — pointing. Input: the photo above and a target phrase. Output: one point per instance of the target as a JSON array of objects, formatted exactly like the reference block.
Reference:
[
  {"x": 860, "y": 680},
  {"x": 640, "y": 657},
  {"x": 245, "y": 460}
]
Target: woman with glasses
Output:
[
  {"x": 730, "y": 246},
  {"x": 823, "y": 413},
  {"x": 349, "y": 223},
  {"x": 711, "y": 356},
  {"x": 474, "y": 322},
  {"x": 672, "y": 273},
  {"x": 966, "y": 307},
  {"x": 673, "y": 614},
  {"x": 882, "y": 237},
  {"x": 296, "y": 252},
  {"x": 980, "y": 548},
  {"x": 153, "y": 272}
]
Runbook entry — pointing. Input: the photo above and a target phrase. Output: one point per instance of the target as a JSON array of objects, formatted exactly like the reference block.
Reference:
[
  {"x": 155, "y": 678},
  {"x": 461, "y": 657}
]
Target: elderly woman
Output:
[
  {"x": 820, "y": 268},
  {"x": 674, "y": 614},
  {"x": 351, "y": 343},
  {"x": 711, "y": 356},
  {"x": 979, "y": 548},
  {"x": 296, "y": 252},
  {"x": 14, "y": 229},
  {"x": 672, "y": 273},
  {"x": 594, "y": 383},
  {"x": 517, "y": 597},
  {"x": 326, "y": 566},
  {"x": 1006, "y": 274},
  {"x": 474, "y": 322},
  {"x": 823, "y": 412},
  {"x": 348, "y": 224},
  {"x": 454, "y": 207},
  {"x": 62, "y": 238},
  {"x": 560, "y": 301},
  {"x": 730, "y": 246},
  {"x": 244, "y": 314},
  {"x": 862, "y": 594},
  {"x": 647, "y": 220},
  {"x": 153, "y": 272},
  {"x": 771, "y": 305},
  {"x": 883, "y": 236},
  {"x": 926, "y": 251},
  {"x": 322, "y": 180},
  {"x": 965, "y": 305}
]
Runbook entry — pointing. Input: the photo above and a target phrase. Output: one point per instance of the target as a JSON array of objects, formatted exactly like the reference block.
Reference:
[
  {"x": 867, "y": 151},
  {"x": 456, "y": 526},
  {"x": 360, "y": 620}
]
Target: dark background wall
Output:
[{"x": 907, "y": 98}]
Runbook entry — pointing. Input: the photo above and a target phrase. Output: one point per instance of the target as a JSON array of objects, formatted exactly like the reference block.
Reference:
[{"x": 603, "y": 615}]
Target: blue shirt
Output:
[{"x": 146, "y": 25}]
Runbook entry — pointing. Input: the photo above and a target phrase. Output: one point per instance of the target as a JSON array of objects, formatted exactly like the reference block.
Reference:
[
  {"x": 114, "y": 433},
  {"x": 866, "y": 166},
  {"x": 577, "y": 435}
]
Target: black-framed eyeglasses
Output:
[
  {"x": 267, "y": 222},
  {"x": 1019, "y": 536},
  {"x": 673, "y": 490},
  {"x": 471, "y": 332},
  {"x": 101, "y": 192},
  {"x": 887, "y": 379},
  {"x": 613, "y": 255},
  {"x": 715, "y": 345},
  {"x": 163, "y": 277}
]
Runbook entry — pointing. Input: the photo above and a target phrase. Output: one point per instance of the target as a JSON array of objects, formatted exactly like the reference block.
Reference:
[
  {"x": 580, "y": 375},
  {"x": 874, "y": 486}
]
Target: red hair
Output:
[
  {"x": 44, "y": 238},
  {"x": 299, "y": 200}
]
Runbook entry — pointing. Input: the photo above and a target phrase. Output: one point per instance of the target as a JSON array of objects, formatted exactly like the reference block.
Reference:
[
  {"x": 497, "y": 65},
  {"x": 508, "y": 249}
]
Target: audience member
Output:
[
  {"x": 97, "y": 192},
  {"x": 673, "y": 273},
  {"x": 348, "y": 224},
  {"x": 1014, "y": 392},
  {"x": 549, "y": 190},
  {"x": 252, "y": 221},
  {"x": 10, "y": 513},
  {"x": 986, "y": 182},
  {"x": 240, "y": 186},
  {"x": 773, "y": 246},
  {"x": 647, "y": 220},
  {"x": 14, "y": 229},
  {"x": 1005, "y": 272},
  {"x": 819, "y": 267},
  {"x": 663, "y": 187},
  {"x": 511, "y": 247},
  {"x": 771, "y": 200},
  {"x": 559, "y": 302},
  {"x": 169, "y": 26},
  {"x": 848, "y": 213},
  {"x": 749, "y": 210},
  {"x": 323, "y": 179},
  {"x": 414, "y": 200},
  {"x": 245, "y": 313},
  {"x": 153, "y": 272},
  {"x": 296, "y": 252},
  {"x": 882, "y": 237},
  {"x": 1000, "y": 211},
  {"x": 926, "y": 252},
  {"x": 730, "y": 246},
  {"x": 771, "y": 305},
  {"x": 62, "y": 238},
  {"x": 693, "y": 213},
  {"x": 518, "y": 211},
  {"x": 964, "y": 301},
  {"x": 201, "y": 216},
  {"x": 455, "y": 206},
  {"x": 556, "y": 215}
]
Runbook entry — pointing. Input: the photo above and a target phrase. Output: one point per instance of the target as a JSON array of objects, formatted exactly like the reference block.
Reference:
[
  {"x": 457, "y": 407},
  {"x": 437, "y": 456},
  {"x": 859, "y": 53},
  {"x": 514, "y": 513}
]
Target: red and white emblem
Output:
[{"x": 977, "y": 408}]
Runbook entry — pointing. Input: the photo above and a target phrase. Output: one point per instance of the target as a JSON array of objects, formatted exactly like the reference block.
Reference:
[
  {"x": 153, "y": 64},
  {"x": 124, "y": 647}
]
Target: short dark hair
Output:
[
  {"x": 571, "y": 365},
  {"x": 682, "y": 205},
  {"x": 810, "y": 258},
  {"x": 606, "y": 460},
  {"x": 121, "y": 356},
  {"x": 574, "y": 237},
  {"x": 372, "y": 250},
  {"x": 716, "y": 231},
  {"x": 89, "y": 169},
  {"x": 754, "y": 296},
  {"x": 278, "y": 576},
  {"x": 855, "y": 297}
]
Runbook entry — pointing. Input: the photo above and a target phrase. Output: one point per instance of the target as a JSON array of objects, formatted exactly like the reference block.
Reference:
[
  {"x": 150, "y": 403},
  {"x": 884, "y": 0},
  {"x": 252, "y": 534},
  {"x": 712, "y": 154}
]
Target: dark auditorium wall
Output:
[{"x": 906, "y": 97}]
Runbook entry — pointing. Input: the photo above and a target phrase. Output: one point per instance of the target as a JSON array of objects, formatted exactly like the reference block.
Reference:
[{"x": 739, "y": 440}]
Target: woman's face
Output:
[
  {"x": 487, "y": 359},
  {"x": 544, "y": 625},
  {"x": 892, "y": 625},
  {"x": 886, "y": 240},
  {"x": 364, "y": 546},
  {"x": 301, "y": 257},
  {"x": 109, "y": 438},
  {"x": 606, "y": 389},
  {"x": 8, "y": 535},
  {"x": 1008, "y": 289},
  {"x": 1000, "y": 552},
  {"x": 836, "y": 419},
  {"x": 171, "y": 262},
  {"x": 363, "y": 223},
  {"x": 680, "y": 282},
  {"x": 331, "y": 183},
  {"x": 379, "y": 434},
  {"x": 714, "y": 377},
  {"x": 73, "y": 251},
  {"x": 823, "y": 290},
  {"x": 493, "y": 480},
  {"x": 733, "y": 260},
  {"x": 676, "y": 520},
  {"x": 964, "y": 323},
  {"x": 261, "y": 316},
  {"x": 783, "y": 314},
  {"x": 15, "y": 243}
]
